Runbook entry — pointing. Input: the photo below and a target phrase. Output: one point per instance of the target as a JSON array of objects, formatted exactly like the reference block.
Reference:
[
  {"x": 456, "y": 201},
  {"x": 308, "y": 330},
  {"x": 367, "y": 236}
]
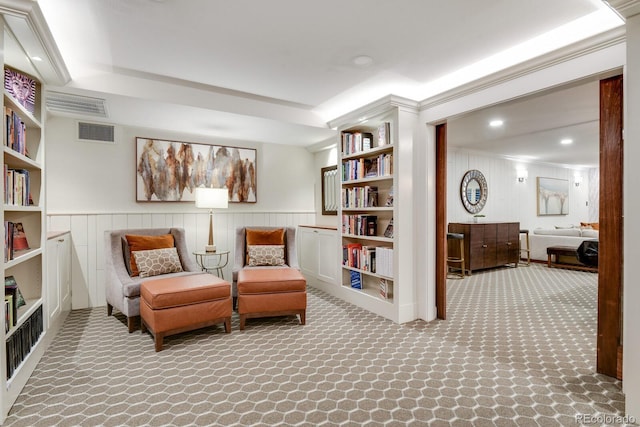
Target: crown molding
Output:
[
  {"x": 584, "y": 47},
  {"x": 375, "y": 108},
  {"x": 26, "y": 21},
  {"x": 625, "y": 8}
]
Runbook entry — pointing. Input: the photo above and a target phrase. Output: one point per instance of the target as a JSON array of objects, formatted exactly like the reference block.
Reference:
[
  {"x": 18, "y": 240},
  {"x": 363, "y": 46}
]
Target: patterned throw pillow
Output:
[
  {"x": 157, "y": 261},
  {"x": 266, "y": 255}
]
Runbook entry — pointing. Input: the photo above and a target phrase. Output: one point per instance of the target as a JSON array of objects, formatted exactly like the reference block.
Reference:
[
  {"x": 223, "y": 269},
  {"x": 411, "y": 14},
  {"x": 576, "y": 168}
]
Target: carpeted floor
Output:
[{"x": 518, "y": 349}]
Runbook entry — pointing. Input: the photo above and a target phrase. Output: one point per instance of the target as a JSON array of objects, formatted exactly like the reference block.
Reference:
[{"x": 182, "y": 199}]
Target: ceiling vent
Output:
[
  {"x": 96, "y": 132},
  {"x": 76, "y": 104}
]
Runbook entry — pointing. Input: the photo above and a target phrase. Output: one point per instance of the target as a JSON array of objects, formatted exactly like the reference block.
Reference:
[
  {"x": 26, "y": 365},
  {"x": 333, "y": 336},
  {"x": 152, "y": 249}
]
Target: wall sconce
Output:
[
  {"x": 522, "y": 175},
  {"x": 577, "y": 179}
]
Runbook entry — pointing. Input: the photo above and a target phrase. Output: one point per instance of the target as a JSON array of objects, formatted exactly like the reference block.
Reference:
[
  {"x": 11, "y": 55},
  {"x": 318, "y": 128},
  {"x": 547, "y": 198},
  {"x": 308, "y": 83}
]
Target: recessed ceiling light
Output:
[
  {"x": 362, "y": 60},
  {"x": 566, "y": 141},
  {"x": 496, "y": 123}
]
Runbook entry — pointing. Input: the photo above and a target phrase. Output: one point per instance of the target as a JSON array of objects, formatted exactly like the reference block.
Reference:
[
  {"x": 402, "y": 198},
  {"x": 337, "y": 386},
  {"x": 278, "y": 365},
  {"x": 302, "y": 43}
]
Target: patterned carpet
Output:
[{"x": 518, "y": 349}]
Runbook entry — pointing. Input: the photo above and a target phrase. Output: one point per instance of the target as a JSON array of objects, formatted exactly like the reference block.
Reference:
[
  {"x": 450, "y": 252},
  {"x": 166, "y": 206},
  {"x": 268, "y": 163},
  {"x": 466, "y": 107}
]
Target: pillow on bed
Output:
[
  {"x": 157, "y": 261},
  {"x": 265, "y": 255}
]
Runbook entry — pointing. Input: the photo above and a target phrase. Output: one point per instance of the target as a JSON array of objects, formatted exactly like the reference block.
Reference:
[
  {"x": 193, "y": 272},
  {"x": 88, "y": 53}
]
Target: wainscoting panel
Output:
[{"x": 87, "y": 237}]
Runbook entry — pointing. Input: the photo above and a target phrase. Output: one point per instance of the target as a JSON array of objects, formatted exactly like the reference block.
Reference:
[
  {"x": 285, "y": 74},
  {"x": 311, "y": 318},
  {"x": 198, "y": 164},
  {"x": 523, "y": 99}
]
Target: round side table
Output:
[{"x": 212, "y": 262}]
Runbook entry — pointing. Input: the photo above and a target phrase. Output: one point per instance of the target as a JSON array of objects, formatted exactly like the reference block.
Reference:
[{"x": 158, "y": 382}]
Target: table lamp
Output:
[{"x": 211, "y": 198}]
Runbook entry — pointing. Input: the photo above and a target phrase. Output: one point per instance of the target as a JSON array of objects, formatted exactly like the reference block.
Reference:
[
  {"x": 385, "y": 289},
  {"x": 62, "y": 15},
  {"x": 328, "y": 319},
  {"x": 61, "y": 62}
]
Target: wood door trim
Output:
[
  {"x": 441, "y": 221},
  {"x": 610, "y": 254}
]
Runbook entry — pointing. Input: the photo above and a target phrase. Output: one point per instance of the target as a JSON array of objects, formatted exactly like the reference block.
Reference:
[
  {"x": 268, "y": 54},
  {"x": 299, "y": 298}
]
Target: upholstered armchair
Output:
[
  {"x": 241, "y": 253},
  {"x": 122, "y": 288}
]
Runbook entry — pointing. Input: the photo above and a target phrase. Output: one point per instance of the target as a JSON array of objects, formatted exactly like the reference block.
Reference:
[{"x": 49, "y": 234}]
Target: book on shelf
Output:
[
  {"x": 15, "y": 136},
  {"x": 15, "y": 239},
  {"x": 386, "y": 289},
  {"x": 9, "y": 313},
  {"x": 17, "y": 187},
  {"x": 360, "y": 225},
  {"x": 384, "y": 261},
  {"x": 356, "y": 142},
  {"x": 360, "y": 197},
  {"x": 388, "y": 232},
  {"x": 389, "y": 201},
  {"x": 355, "y": 279},
  {"x": 384, "y": 134},
  {"x": 11, "y": 288},
  {"x": 351, "y": 254},
  {"x": 20, "y": 242}
]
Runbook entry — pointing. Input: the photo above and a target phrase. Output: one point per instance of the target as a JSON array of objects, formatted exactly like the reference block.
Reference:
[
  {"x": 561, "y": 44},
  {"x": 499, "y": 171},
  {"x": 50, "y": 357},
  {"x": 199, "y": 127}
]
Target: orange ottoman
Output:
[
  {"x": 266, "y": 292},
  {"x": 178, "y": 304}
]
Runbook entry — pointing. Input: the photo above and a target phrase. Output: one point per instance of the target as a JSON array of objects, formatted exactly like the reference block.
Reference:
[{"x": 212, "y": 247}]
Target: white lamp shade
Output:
[{"x": 212, "y": 198}]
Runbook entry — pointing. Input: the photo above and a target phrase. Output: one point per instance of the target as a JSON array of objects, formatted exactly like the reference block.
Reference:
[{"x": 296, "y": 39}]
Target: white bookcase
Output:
[
  {"x": 23, "y": 338},
  {"x": 376, "y": 209}
]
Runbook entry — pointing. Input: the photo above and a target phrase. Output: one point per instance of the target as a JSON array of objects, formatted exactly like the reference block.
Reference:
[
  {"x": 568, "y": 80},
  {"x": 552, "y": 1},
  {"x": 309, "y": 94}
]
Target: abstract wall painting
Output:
[
  {"x": 553, "y": 196},
  {"x": 170, "y": 171}
]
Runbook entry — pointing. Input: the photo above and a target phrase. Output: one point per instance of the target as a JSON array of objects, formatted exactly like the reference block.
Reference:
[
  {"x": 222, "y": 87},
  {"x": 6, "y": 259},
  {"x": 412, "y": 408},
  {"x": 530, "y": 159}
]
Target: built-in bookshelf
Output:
[
  {"x": 375, "y": 166},
  {"x": 367, "y": 187},
  {"x": 23, "y": 215}
]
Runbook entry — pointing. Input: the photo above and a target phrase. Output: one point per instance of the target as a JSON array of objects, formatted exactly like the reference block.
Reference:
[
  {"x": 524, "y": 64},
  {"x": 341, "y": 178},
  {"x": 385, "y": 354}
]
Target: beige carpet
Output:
[{"x": 518, "y": 349}]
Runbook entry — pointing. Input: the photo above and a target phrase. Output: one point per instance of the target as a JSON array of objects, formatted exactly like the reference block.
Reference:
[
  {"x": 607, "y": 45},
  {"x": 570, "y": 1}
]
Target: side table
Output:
[{"x": 212, "y": 262}]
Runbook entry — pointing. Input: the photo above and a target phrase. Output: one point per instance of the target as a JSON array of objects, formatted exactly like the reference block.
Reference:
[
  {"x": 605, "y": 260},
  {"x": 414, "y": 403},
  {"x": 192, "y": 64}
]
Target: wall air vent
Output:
[
  {"x": 96, "y": 132},
  {"x": 76, "y": 104}
]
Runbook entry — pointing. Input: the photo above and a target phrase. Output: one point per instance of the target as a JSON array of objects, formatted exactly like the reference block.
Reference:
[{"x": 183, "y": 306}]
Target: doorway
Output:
[{"x": 609, "y": 345}]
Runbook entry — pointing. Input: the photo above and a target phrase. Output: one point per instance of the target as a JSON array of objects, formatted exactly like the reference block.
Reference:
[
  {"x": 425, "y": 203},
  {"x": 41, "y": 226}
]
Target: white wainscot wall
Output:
[
  {"x": 510, "y": 200},
  {"x": 87, "y": 232}
]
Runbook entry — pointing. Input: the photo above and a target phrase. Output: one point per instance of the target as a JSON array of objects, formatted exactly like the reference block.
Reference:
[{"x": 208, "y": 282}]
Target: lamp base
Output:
[{"x": 210, "y": 248}]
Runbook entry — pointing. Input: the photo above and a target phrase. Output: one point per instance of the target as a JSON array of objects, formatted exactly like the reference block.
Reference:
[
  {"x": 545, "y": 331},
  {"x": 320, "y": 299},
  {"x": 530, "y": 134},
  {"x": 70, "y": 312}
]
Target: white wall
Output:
[
  {"x": 631, "y": 320},
  {"x": 100, "y": 178},
  {"x": 508, "y": 199},
  {"x": 91, "y": 188}
]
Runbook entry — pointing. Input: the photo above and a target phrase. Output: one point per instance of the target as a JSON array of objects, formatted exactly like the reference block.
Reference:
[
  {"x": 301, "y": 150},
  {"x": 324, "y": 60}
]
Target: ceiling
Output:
[
  {"x": 278, "y": 71},
  {"x": 534, "y": 127}
]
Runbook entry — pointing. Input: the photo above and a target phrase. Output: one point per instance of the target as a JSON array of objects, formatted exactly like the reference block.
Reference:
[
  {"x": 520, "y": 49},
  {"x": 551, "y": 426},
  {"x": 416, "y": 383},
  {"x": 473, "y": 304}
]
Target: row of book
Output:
[
  {"x": 375, "y": 259},
  {"x": 13, "y": 300},
  {"x": 357, "y": 142},
  {"x": 385, "y": 286},
  {"x": 361, "y": 168},
  {"x": 15, "y": 239},
  {"x": 360, "y": 225},
  {"x": 360, "y": 197},
  {"x": 20, "y": 343},
  {"x": 17, "y": 187},
  {"x": 15, "y": 136}
]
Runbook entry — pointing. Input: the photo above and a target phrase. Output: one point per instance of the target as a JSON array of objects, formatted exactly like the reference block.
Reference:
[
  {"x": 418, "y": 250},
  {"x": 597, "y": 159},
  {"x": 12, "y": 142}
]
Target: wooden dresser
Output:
[{"x": 487, "y": 244}]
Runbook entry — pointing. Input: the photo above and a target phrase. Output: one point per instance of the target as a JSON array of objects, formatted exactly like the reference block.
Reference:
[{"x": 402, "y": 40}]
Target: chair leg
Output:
[
  {"x": 462, "y": 258},
  {"x": 109, "y": 309},
  {"x": 303, "y": 315},
  {"x": 131, "y": 323}
]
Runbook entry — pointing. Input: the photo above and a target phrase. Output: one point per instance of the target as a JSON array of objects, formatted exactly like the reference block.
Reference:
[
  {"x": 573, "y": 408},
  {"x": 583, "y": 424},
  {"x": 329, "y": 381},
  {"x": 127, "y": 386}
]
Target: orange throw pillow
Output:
[
  {"x": 265, "y": 237},
  {"x": 146, "y": 243}
]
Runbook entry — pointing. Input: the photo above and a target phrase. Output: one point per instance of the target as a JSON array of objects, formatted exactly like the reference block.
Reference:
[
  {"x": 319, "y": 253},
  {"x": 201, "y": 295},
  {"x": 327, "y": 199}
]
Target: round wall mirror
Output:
[{"x": 473, "y": 191}]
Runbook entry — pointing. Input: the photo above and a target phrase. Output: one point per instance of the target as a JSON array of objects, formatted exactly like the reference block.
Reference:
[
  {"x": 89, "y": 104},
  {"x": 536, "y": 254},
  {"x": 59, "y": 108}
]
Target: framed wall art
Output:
[
  {"x": 170, "y": 171},
  {"x": 553, "y": 196}
]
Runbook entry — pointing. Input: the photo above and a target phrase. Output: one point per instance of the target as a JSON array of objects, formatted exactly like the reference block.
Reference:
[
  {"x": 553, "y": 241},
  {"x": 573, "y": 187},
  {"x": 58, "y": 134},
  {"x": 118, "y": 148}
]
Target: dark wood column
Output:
[
  {"x": 441, "y": 221},
  {"x": 610, "y": 256}
]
